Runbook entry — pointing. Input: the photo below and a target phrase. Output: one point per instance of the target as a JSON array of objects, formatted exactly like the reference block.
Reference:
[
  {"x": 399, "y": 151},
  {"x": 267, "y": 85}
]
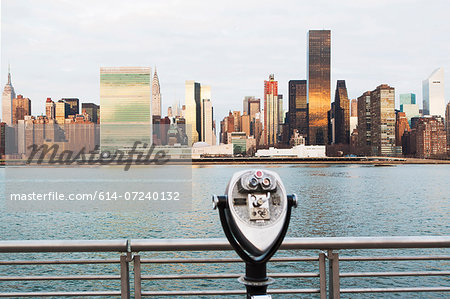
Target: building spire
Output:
[{"x": 9, "y": 74}]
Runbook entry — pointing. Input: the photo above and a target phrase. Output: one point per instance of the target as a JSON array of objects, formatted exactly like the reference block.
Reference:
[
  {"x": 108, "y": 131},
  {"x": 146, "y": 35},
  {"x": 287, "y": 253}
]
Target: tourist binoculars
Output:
[{"x": 255, "y": 213}]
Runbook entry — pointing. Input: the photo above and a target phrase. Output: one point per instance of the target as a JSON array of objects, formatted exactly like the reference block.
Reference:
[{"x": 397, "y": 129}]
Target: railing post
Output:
[
  {"x": 137, "y": 276},
  {"x": 334, "y": 283},
  {"x": 125, "y": 276},
  {"x": 322, "y": 276}
]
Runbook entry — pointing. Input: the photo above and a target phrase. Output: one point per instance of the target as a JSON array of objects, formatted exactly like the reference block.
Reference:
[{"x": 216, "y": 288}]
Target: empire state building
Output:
[{"x": 7, "y": 98}]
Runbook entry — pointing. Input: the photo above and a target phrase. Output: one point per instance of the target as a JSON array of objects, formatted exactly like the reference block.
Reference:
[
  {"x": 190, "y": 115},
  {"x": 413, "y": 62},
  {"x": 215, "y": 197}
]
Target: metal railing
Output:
[
  {"x": 68, "y": 246},
  {"x": 327, "y": 263}
]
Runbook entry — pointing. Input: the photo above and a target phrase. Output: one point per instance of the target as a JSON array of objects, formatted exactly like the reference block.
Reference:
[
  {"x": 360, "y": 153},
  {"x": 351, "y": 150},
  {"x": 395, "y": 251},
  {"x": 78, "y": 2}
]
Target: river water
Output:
[{"x": 334, "y": 200}]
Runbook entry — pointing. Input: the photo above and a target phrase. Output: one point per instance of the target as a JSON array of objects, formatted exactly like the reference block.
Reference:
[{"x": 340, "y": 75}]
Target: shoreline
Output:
[
  {"x": 377, "y": 161},
  {"x": 382, "y": 161}
]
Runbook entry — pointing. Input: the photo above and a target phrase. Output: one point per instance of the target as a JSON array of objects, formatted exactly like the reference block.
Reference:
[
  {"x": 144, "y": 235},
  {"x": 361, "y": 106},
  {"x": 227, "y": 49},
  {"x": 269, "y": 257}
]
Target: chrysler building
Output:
[{"x": 156, "y": 96}]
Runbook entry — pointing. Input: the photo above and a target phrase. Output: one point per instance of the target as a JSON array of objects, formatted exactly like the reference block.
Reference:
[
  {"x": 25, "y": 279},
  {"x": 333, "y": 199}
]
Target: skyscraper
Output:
[
  {"x": 50, "y": 108},
  {"x": 199, "y": 113},
  {"x": 342, "y": 114},
  {"x": 407, "y": 98},
  {"x": 237, "y": 121},
  {"x": 92, "y": 110},
  {"x": 74, "y": 105},
  {"x": 156, "y": 96},
  {"x": 62, "y": 110},
  {"x": 382, "y": 109},
  {"x": 193, "y": 108},
  {"x": 298, "y": 108},
  {"x": 245, "y": 102},
  {"x": 354, "y": 108},
  {"x": 401, "y": 126},
  {"x": 125, "y": 100},
  {"x": 364, "y": 122},
  {"x": 433, "y": 94},
  {"x": 319, "y": 99},
  {"x": 7, "y": 97},
  {"x": 353, "y": 115},
  {"x": 254, "y": 107},
  {"x": 447, "y": 124},
  {"x": 409, "y": 106},
  {"x": 431, "y": 139},
  {"x": 271, "y": 110},
  {"x": 207, "y": 121},
  {"x": 21, "y": 108}
]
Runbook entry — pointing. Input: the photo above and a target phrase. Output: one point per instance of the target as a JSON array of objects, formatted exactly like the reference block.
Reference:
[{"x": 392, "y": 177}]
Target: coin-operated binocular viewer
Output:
[{"x": 255, "y": 213}]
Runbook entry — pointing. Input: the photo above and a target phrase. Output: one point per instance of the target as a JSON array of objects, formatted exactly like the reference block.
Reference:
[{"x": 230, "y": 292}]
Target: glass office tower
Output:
[
  {"x": 125, "y": 101},
  {"x": 319, "y": 98},
  {"x": 342, "y": 114},
  {"x": 433, "y": 94},
  {"x": 298, "y": 108}
]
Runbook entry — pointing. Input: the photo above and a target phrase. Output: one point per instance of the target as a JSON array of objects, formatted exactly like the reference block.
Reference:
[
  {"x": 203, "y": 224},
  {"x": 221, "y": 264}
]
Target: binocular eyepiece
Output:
[{"x": 258, "y": 180}]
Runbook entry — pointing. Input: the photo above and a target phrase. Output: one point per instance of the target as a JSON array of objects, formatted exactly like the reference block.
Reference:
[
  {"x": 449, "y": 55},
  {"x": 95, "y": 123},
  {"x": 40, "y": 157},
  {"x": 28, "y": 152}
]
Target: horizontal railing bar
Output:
[
  {"x": 226, "y": 292},
  {"x": 297, "y": 243},
  {"x": 60, "y": 294},
  {"x": 396, "y": 290},
  {"x": 223, "y": 260},
  {"x": 64, "y": 246},
  {"x": 379, "y": 274},
  {"x": 59, "y": 262},
  {"x": 72, "y": 277},
  {"x": 394, "y": 258},
  {"x": 224, "y": 276},
  {"x": 220, "y": 244}
]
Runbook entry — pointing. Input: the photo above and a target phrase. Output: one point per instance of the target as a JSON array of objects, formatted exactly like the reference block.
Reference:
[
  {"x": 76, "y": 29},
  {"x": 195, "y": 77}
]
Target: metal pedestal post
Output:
[{"x": 256, "y": 280}]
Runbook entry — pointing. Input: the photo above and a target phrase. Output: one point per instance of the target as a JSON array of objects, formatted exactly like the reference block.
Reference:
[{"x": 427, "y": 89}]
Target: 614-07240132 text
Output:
[{"x": 97, "y": 195}]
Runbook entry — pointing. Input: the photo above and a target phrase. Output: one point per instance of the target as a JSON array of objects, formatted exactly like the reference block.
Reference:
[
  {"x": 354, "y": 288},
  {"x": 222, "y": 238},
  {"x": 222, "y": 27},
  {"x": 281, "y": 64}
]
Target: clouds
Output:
[{"x": 57, "y": 47}]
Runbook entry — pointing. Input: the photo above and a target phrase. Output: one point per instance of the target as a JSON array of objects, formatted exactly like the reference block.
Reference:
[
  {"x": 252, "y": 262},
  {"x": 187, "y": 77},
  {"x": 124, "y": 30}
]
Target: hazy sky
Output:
[{"x": 56, "y": 48}]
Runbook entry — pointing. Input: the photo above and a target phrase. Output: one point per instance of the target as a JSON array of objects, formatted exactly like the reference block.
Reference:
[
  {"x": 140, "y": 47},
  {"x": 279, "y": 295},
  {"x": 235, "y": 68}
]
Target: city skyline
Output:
[{"x": 225, "y": 71}]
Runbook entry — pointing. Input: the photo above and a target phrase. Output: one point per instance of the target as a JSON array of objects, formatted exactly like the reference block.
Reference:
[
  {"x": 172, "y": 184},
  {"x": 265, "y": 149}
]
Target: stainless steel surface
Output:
[
  {"x": 59, "y": 294},
  {"x": 396, "y": 290},
  {"x": 70, "y": 277},
  {"x": 60, "y": 262},
  {"x": 225, "y": 276},
  {"x": 297, "y": 243},
  {"x": 224, "y": 260},
  {"x": 64, "y": 246},
  {"x": 258, "y": 206},
  {"x": 67, "y": 246},
  {"x": 381, "y": 274},
  {"x": 334, "y": 284},
  {"x": 322, "y": 276}
]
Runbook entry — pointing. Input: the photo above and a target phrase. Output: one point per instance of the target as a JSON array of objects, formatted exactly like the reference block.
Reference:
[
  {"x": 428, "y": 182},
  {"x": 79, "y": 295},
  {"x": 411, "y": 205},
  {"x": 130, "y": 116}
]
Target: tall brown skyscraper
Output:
[
  {"x": 254, "y": 106},
  {"x": 20, "y": 108},
  {"x": 382, "y": 109},
  {"x": 298, "y": 108},
  {"x": 401, "y": 126},
  {"x": 342, "y": 114},
  {"x": 319, "y": 99}
]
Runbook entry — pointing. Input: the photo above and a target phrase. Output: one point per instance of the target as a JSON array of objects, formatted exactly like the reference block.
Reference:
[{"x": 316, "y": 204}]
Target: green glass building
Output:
[{"x": 125, "y": 101}]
